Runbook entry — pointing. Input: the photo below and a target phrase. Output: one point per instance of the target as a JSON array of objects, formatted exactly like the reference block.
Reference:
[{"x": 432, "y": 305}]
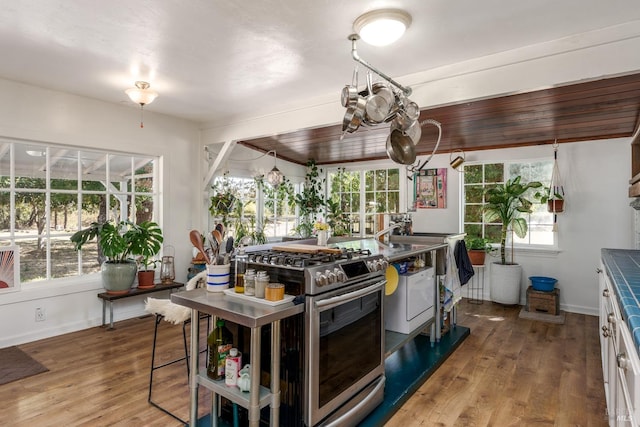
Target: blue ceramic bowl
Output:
[{"x": 545, "y": 284}]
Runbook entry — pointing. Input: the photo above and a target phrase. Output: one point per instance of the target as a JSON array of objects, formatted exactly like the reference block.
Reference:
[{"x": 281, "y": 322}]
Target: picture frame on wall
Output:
[
  {"x": 9, "y": 268},
  {"x": 430, "y": 188}
]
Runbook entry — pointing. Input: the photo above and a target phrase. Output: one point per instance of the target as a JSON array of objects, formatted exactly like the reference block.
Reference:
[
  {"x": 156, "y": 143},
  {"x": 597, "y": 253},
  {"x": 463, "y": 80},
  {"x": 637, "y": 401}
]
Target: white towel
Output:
[
  {"x": 172, "y": 312},
  {"x": 452, "y": 288}
]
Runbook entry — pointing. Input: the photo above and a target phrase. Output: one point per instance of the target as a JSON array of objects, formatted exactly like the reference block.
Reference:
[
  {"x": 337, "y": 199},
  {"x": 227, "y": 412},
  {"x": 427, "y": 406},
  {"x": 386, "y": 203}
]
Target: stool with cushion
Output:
[{"x": 164, "y": 309}]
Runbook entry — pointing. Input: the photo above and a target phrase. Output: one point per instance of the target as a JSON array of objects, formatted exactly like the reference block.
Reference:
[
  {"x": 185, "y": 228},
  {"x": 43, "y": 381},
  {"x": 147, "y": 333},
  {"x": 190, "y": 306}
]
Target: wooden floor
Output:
[{"x": 509, "y": 371}]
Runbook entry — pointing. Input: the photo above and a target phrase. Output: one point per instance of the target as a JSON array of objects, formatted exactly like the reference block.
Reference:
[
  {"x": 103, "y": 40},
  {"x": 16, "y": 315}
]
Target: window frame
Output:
[
  {"x": 363, "y": 213},
  {"x": 72, "y": 165},
  {"x": 546, "y": 163}
]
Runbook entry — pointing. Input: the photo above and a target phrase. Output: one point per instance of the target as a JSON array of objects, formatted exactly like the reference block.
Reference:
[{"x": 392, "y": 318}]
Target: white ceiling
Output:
[{"x": 214, "y": 61}]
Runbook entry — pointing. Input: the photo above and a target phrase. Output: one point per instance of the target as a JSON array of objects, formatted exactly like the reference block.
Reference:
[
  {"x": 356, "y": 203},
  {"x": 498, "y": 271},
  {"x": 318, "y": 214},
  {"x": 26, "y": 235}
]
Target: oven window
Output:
[{"x": 350, "y": 344}]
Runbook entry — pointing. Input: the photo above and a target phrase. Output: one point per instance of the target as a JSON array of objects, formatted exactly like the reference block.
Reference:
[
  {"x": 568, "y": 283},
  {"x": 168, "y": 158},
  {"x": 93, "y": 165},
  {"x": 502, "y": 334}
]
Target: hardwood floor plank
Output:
[{"x": 509, "y": 371}]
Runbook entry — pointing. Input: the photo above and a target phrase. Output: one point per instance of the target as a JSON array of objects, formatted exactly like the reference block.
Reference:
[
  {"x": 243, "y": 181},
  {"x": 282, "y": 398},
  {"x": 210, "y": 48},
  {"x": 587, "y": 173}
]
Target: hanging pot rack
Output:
[
  {"x": 354, "y": 53},
  {"x": 404, "y": 115}
]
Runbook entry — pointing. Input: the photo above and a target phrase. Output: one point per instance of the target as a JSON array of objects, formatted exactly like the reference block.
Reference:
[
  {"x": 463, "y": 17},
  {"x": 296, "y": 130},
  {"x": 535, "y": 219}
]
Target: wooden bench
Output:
[{"x": 110, "y": 298}]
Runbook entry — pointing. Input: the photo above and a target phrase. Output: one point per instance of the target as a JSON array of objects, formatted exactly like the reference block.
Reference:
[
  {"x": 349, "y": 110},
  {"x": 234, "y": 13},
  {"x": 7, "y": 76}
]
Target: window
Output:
[
  {"x": 364, "y": 204},
  {"x": 477, "y": 177},
  {"x": 48, "y": 192},
  {"x": 234, "y": 204}
]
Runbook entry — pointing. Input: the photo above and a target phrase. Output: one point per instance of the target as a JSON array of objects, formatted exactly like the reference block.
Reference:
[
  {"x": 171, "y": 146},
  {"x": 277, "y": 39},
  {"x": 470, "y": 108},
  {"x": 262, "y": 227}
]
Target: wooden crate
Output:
[{"x": 543, "y": 302}]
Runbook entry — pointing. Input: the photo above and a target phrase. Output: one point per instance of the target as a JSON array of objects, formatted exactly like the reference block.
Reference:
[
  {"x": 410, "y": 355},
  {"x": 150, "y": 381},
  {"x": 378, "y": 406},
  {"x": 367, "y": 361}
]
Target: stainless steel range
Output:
[{"x": 343, "y": 360}]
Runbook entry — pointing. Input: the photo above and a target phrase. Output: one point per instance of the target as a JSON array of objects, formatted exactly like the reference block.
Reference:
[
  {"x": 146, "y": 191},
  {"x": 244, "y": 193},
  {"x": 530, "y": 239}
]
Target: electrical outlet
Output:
[{"x": 41, "y": 316}]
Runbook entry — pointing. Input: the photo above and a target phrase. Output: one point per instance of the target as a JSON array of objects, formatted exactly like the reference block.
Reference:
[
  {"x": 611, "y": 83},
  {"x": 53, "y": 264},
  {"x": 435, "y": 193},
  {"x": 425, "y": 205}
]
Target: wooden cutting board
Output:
[{"x": 306, "y": 249}]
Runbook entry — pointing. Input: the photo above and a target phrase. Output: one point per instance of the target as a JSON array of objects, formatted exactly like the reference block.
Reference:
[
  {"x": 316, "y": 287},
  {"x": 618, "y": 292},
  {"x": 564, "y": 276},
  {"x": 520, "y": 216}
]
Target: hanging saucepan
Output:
[
  {"x": 354, "y": 115},
  {"x": 408, "y": 113},
  {"x": 379, "y": 102},
  {"x": 413, "y": 130},
  {"x": 349, "y": 95},
  {"x": 400, "y": 147}
]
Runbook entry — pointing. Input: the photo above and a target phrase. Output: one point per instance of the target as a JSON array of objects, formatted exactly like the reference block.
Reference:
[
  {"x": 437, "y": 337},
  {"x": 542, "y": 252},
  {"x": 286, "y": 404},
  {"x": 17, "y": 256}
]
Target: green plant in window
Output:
[
  {"x": 505, "y": 204},
  {"x": 310, "y": 201},
  {"x": 223, "y": 200}
]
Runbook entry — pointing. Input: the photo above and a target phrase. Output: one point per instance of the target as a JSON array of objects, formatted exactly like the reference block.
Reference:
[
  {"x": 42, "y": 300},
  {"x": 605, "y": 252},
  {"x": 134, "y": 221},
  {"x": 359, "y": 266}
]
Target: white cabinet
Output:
[{"x": 620, "y": 362}]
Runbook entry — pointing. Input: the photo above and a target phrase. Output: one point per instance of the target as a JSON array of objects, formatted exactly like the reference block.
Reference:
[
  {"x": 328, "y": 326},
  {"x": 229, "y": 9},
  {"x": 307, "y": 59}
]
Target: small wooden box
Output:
[{"x": 543, "y": 302}]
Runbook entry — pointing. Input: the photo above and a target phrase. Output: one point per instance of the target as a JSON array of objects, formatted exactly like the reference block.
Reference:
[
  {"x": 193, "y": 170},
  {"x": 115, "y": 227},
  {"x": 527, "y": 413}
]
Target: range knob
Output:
[
  {"x": 321, "y": 279},
  {"x": 331, "y": 276},
  {"x": 371, "y": 265},
  {"x": 340, "y": 276}
]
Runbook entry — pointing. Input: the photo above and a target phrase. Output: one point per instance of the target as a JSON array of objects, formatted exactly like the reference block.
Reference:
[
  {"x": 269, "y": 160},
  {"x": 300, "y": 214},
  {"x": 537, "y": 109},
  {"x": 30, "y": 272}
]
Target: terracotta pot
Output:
[
  {"x": 145, "y": 279},
  {"x": 555, "y": 205},
  {"x": 476, "y": 256}
]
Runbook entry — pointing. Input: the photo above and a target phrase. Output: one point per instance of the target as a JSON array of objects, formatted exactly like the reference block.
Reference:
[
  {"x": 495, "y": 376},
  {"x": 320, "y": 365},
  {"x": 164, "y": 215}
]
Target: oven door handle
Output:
[
  {"x": 349, "y": 296},
  {"x": 344, "y": 418}
]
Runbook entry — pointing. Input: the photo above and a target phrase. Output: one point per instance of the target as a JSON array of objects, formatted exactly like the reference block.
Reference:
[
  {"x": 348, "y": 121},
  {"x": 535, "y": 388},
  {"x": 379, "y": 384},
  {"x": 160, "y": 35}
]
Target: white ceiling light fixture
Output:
[
  {"x": 143, "y": 95},
  {"x": 382, "y": 27}
]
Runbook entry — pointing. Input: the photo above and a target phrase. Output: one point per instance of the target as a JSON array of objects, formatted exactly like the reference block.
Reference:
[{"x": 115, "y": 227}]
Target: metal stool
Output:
[
  {"x": 164, "y": 309},
  {"x": 158, "y": 319}
]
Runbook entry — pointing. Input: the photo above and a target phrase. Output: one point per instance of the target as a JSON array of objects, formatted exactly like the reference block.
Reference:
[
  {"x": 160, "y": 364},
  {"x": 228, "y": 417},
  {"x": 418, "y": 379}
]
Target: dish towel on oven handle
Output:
[{"x": 452, "y": 289}]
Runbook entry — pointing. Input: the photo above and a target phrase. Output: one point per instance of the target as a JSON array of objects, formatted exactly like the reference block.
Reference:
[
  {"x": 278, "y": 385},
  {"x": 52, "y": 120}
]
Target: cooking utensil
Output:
[
  {"x": 215, "y": 248},
  {"x": 379, "y": 101},
  {"x": 349, "y": 95},
  {"x": 229, "y": 245},
  {"x": 354, "y": 115},
  {"x": 413, "y": 131},
  {"x": 220, "y": 228},
  {"x": 400, "y": 147},
  {"x": 196, "y": 241},
  {"x": 217, "y": 236}
]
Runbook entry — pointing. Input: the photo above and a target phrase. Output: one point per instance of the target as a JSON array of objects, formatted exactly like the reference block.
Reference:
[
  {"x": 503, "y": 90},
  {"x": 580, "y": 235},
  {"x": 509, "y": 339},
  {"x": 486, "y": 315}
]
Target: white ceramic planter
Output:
[{"x": 505, "y": 283}]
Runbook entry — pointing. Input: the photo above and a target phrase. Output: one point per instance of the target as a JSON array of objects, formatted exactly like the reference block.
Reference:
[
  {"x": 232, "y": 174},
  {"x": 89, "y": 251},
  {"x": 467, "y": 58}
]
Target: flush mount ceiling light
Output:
[
  {"x": 141, "y": 94},
  {"x": 382, "y": 27}
]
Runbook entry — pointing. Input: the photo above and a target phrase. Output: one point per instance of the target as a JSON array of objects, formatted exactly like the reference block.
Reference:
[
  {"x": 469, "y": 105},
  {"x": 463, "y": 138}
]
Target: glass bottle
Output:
[
  {"x": 220, "y": 342},
  {"x": 262, "y": 280},
  {"x": 250, "y": 282},
  {"x": 241, "y": 267}
]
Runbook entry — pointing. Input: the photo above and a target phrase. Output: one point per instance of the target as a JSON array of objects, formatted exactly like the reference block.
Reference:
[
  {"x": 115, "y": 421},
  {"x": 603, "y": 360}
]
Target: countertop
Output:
[
  {"x": 246, "y": 313},
  {"x": 623, "y": 268},
  {"x": 393, "y": 251}
]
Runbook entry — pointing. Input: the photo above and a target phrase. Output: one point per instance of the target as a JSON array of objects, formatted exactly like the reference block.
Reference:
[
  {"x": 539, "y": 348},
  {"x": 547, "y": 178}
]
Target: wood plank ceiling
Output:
[{"x": 600, "y": 109}]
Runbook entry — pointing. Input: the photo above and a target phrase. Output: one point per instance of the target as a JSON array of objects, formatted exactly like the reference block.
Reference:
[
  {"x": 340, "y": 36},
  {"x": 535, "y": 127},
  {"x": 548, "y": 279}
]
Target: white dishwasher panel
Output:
[{"x": 412, "y": 304}]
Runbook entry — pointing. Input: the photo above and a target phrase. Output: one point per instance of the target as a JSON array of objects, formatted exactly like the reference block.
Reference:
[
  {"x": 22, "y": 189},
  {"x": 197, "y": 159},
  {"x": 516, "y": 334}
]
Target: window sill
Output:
[
  {"x": 53, "y": 288},
  {"x": 533, "y": 251}
]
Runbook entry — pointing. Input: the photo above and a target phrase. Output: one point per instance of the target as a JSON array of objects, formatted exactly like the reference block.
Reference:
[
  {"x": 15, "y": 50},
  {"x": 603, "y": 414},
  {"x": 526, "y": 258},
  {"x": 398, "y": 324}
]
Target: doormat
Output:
[
  {"x": 542, "y": 317},
  {"x": 15, "y": 364}
]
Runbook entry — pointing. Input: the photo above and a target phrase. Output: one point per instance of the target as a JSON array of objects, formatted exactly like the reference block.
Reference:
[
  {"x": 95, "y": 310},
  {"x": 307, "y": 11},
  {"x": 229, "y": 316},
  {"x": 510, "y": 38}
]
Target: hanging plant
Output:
[{"x": 223, "y": 200}]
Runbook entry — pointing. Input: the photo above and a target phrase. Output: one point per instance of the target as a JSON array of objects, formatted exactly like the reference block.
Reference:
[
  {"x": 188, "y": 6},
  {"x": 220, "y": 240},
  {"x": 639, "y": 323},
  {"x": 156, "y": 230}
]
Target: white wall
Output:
[
  {"x": 597, "y": 215},
  {"x": 37, "y": 114}
]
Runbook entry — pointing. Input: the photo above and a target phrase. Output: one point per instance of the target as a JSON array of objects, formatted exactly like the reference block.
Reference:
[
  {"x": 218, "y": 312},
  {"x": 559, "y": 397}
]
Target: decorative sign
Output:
[
  {"x": 430, "y": 188},
  {"x": 9, "y": 268}
]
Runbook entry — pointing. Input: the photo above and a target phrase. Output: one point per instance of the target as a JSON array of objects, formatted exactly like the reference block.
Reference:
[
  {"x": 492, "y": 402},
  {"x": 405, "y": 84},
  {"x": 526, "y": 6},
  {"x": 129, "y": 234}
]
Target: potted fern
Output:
[
  {"x": 505, "y": 204},
  {"x": 119, "y": 243}
]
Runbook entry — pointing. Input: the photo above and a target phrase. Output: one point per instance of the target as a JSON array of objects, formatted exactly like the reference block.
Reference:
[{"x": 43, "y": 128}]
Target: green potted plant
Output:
[
  {"x": 505, "y": 204},
  {"x": 554, "y": 200},
  {"x": 119, "y": 242},
  {"x": 311, "y": 200},
  {"x": 477, "y": 248}
]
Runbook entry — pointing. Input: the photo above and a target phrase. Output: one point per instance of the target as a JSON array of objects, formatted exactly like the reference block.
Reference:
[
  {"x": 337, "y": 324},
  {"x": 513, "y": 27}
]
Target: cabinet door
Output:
[{"x": 628, "y": 367}]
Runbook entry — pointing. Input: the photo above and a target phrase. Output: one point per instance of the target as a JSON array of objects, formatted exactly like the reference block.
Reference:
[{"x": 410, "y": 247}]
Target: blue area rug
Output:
[{"x": 406, "y": 370}]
